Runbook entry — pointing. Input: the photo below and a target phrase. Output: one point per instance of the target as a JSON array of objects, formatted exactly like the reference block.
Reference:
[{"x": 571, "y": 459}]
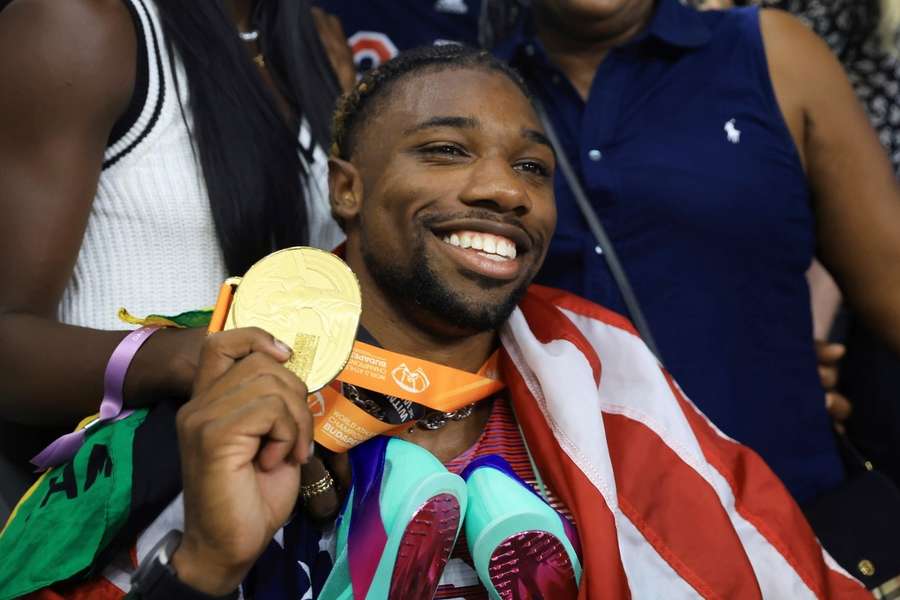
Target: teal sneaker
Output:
[
  {"x": 399, "y": 525},
  {"x": 520, "y": 546}
]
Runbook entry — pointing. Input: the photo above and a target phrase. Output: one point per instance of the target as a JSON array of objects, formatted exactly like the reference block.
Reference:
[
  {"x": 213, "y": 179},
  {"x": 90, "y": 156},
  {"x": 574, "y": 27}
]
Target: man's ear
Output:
[{"x": 345, "y": 188}]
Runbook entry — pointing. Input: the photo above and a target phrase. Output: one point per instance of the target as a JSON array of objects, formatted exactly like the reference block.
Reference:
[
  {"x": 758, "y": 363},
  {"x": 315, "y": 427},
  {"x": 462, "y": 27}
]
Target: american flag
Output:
[{"x": 666, "y": 505}]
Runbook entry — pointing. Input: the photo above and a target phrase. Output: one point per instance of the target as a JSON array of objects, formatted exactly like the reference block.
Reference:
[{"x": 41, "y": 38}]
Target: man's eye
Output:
[
  {"x": 533, "y": 167},
  {"x": 444, "y": 149}
]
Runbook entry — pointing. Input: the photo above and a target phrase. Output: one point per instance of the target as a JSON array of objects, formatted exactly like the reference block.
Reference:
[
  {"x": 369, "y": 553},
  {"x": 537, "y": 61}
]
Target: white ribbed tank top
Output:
[{"x": 150, "y": 244}]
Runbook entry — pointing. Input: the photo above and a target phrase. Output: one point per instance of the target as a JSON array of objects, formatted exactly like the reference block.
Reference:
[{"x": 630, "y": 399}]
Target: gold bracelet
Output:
[{"x": 314, "y": 489}]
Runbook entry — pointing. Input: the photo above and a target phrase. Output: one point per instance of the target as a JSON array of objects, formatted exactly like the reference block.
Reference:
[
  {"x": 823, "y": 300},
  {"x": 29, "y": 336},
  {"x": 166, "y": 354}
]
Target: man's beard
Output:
[{"x": 418, "y": 282}]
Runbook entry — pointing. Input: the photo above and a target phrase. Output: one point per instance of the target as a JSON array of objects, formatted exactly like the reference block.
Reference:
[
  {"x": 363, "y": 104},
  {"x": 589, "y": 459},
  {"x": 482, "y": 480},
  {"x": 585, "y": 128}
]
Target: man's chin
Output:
[
  {"x": 482, "y": 303},
  {"x": 494, "y": 287},
  {"x": 464, "y": 303}
]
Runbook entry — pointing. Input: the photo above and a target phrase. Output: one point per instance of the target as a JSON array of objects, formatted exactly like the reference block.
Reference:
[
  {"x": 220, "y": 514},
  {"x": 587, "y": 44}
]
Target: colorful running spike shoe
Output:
[
  {"x": 520, "y": 546},
  {"x": 399, "y": 525}
]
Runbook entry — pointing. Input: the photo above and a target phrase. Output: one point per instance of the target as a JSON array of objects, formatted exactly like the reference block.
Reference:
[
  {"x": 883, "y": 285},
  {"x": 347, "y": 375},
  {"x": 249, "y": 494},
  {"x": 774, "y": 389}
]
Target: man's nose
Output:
[{"x": 494, "y": 184}]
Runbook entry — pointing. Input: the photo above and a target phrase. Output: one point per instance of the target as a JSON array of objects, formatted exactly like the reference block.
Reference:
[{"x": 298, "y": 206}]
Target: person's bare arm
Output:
[
  {"x": 855, "y": 194},
  {"x": 67, "y": 73}
]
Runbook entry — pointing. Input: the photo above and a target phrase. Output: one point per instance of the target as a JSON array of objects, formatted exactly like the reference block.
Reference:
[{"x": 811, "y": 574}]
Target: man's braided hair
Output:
[{"x": 359, "y": 103}]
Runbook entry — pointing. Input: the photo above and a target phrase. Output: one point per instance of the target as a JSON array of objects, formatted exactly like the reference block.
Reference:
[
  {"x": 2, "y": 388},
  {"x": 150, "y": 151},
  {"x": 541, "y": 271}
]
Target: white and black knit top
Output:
[{"x": 150, "y": 244}]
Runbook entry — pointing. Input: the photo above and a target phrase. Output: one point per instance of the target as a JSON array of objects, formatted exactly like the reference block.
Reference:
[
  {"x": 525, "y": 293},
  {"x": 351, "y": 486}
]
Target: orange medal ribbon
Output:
[{"x": 340, "y": 424}]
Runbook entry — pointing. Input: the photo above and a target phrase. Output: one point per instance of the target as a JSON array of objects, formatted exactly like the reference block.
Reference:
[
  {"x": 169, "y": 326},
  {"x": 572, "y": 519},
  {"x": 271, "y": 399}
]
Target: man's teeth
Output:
[{"x": 495, "y": 247}]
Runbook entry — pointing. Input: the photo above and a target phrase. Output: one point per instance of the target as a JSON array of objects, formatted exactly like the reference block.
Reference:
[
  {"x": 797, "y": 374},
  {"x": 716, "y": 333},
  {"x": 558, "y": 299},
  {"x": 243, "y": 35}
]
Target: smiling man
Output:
[{"x": 588, "y": 474}]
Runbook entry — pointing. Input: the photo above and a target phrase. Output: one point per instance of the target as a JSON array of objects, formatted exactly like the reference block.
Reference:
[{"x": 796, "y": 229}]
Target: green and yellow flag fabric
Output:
[{"x": 71, "y": 513}]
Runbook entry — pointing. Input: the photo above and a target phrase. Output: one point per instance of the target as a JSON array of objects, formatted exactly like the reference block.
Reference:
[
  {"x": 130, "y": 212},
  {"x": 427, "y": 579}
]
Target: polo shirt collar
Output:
[{"x": 676, "y": 25}]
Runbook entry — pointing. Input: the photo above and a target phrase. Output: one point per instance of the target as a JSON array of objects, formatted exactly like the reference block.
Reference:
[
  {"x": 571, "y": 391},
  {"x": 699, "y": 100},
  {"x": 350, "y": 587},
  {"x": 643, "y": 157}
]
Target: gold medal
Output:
[{"x": 310, "y": 300}]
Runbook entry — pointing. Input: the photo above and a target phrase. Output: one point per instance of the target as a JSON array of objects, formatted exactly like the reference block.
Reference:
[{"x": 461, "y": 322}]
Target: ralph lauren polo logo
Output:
[
  {"x": 731, "y": 132},
  {"x": 457, "y": 7}
]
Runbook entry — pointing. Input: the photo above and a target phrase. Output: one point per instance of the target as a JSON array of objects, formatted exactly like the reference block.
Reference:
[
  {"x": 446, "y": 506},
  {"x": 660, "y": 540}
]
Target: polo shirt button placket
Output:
[{"x": 595, "y": 155}]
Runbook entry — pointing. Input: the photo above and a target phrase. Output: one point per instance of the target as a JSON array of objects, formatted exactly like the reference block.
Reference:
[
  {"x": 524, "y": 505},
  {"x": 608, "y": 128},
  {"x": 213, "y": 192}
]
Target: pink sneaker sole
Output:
[
  {"x": 425, "y": 549},
  {"x": 532, "y": 564}
]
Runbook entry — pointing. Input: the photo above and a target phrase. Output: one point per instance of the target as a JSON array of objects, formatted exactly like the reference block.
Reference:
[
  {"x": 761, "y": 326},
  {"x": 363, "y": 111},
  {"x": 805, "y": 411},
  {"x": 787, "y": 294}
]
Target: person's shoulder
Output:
[
  {"x": 102, "y": 26},
  {"x": 73, "y": 48},
  {"x": 780, "y": 22},
  {"x": 786, "y": 34},
  {"x": 795, "y": 53}
]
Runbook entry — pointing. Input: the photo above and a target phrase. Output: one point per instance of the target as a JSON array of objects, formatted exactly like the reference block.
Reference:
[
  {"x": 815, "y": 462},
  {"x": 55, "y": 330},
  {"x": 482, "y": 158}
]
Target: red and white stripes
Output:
[{"x": 667, "y": 506}]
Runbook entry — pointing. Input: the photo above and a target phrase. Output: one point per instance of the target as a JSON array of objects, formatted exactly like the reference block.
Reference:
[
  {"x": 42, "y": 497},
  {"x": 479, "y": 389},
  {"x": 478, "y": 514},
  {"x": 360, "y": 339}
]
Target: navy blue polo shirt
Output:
[{"x": 684, "y": 153}]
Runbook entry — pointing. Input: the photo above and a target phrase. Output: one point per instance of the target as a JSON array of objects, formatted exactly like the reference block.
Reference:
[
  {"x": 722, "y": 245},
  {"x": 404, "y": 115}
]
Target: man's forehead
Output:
[{"x": 474, "y": 94}]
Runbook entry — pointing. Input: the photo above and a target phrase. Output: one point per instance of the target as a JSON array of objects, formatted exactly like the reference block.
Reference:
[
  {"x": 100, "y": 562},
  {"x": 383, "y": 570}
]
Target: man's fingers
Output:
[
  {"x": 303, "y": 451},
  {"x": 241, "y": 373},
  {"x": 325, "y": 504},
  {"x": 260, "y": 390},
  {"x": 259, "y": 375},
  {"x": 828, "y": 376},
  {"x": 263, "y": 426},
  {"x": 283, "y": 384},
  {"x": 281, "y": 439},
  {"x": 838, "y": 406},
  {"x": 223, "y": 349},
  {"x": 829, "y": 354},
  {"x": 248, "y": 369}
]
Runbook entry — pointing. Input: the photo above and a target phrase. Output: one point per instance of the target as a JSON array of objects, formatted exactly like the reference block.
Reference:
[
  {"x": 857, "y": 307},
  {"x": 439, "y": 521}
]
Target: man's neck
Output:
[
  {"x": 579, "y": 54},
  {"x": 400, "y": 332},
  {"x": 397, "y": 333}
]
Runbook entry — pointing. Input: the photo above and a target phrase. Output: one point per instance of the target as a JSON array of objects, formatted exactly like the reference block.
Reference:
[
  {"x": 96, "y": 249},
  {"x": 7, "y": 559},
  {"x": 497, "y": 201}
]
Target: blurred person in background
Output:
[
  {"x": 148, "y": 149},
  {"x": 861, "y": 372},
  {"x": 379, "y": 29},
  {"x": 864, "y": 36}
]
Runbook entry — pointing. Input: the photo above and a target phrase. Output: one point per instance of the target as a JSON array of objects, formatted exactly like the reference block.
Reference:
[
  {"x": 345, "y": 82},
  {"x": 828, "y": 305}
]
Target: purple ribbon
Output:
[{"x": 63, "y": 448}]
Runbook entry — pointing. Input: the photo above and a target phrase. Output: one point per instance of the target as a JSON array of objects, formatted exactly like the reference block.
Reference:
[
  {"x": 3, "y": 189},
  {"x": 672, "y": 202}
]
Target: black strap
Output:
[{"x": 606, "y": 247}]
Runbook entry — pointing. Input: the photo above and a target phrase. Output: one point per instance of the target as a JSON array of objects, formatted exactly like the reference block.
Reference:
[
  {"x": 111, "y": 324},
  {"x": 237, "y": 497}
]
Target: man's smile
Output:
[
  {"x": 493, "y": 246},
  {"x": 487, "y": 248},
  {"x": 483, "y": 263}
]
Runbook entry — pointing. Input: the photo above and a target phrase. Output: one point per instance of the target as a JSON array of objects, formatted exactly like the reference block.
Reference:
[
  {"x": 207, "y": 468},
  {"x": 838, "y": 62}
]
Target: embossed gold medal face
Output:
[{"x": 310, "y": 300}]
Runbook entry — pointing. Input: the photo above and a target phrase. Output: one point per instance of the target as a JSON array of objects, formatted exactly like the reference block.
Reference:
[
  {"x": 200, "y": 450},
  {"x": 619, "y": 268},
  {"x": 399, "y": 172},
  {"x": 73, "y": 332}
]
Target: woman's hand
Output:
[
  {"x": 166, "y": 365},
  {"x": 829, "y": 358}
]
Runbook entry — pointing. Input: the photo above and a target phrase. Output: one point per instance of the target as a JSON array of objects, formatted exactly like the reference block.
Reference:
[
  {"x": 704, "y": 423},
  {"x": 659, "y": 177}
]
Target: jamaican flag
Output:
[
  {"x": 80, "y": 513},
  {"x": 71, "y": 513}
]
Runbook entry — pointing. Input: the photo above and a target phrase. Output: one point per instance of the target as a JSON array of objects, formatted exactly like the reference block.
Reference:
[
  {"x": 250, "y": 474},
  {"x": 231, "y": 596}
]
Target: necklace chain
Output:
[
  {"x": 249, "y": 37},
  {"x": 432, "y": 421}
]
